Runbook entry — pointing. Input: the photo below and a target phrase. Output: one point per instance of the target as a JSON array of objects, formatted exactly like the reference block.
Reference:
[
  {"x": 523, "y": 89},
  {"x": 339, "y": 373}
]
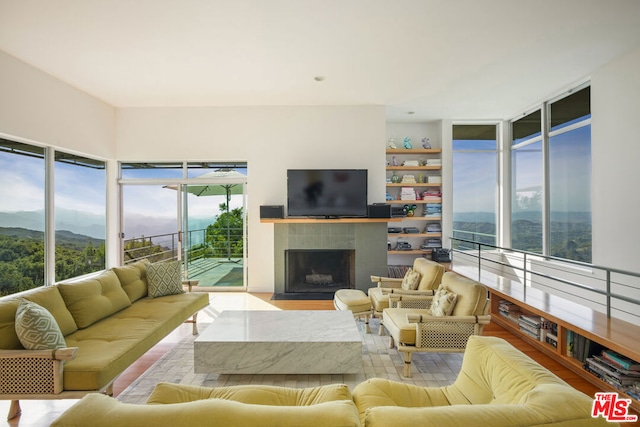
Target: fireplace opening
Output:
[{"x": 319, "y": 270}]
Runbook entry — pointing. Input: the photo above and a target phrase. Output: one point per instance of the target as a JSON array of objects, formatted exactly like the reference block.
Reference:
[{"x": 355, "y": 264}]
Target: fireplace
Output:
[{"x": 319, "y": 270}]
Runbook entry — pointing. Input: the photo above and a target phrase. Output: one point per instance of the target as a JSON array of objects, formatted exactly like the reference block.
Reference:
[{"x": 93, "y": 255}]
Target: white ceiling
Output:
[{"x": 457, "y": 59}]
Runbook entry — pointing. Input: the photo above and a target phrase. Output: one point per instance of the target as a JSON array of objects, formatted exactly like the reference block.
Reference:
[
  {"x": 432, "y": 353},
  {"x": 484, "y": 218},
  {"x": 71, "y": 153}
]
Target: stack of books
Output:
[
  {"x": 549, "y": 333},
  {"x": 431, "y": 195},
  {"x": 433, "y": 162},
  {"x": 407, "y": 193},
  {"x": 530, "y": 325},
  {"x": 431, "y": 243},
  {"x": 617, "y": 370},
  {"x": 434, "y": 179},
  {"x": 433, "y": 210},
  {"x": 433, "y": 227},
  {"x": 509, "y": 310},
  {"x": 408, "y": 179}
]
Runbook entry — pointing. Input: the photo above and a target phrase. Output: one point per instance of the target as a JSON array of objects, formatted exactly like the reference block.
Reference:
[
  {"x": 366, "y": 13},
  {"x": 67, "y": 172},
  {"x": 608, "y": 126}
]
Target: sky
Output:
[{"x": 81, "y": 189}]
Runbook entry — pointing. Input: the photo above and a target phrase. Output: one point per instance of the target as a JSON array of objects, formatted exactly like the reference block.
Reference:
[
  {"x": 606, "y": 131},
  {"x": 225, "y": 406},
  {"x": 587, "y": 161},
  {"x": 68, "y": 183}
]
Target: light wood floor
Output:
[{"x": 42, "y": 413}]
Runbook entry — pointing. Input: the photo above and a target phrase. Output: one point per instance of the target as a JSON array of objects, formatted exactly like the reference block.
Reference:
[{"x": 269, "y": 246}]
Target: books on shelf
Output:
[
  {"x": 433, "y": 210},
  {"x": 433, "y": 227},
  {"x": 407, "y": 193},
  {"x": 434, "y": 179},
  {"x": 620, "y": 361},
  {"x": 509, "y": 310},
  {"x": 434, "y": 162}
]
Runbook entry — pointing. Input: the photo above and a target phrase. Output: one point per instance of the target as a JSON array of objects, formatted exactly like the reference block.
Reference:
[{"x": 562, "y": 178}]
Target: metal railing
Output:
[
  {"x": 468, "y": 248},
  {"x": 164, "y": 247}
]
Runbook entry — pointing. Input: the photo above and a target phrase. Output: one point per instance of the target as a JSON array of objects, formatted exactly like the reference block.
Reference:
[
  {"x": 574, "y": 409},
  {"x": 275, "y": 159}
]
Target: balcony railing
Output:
[
  {"x": 609, "y": 287},
  {"x": 162, "y": 247}
]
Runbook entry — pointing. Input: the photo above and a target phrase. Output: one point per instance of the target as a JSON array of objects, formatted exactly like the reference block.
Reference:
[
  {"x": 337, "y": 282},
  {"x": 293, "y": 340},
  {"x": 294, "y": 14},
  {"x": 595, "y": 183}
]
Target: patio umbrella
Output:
[{"x": 228, "y": 183}]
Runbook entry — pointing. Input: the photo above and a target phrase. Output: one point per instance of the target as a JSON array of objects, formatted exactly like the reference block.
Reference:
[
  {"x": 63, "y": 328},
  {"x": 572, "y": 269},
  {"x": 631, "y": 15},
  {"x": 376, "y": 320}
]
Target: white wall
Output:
[
  {"x": 615, "y": 100},
  {"x": 271, "y": 140},
  {"x": 40, "y": 108}
]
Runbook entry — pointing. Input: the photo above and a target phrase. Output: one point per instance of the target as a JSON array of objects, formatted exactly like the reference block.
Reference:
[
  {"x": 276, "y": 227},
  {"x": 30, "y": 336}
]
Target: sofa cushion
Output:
[
  {"x": 471, "y": 295},
  {"x": 36, "y": 328},
  {"x": 133, "y": 279},
  {"x": 105, "y": 411},
  {"x": 45, "y": 296},
  {"x": 411, "y": 280},
  {"x": 431, "y": 273},
  {"x": 166, "y": 393},
  {"x": 443, "y": 302},
  {"x": 164, "y": 278},
  {"x": 109, "y": 346},
  {"x": 94, "y": 299}
]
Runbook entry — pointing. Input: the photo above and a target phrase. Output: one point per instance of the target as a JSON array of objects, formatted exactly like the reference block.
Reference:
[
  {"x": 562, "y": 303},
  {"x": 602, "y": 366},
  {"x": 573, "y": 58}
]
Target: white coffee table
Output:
[{"x": 280, "y": 342}]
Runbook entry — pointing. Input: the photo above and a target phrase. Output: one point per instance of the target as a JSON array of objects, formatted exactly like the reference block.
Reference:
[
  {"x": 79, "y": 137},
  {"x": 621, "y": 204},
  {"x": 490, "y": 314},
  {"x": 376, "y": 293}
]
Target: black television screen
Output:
[{"x": 327, "y": 192}]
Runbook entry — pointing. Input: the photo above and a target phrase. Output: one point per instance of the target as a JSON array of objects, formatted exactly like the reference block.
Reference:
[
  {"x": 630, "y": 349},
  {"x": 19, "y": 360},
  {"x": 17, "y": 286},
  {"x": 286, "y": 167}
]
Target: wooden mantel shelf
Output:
[{"x": 327, "y": 220}]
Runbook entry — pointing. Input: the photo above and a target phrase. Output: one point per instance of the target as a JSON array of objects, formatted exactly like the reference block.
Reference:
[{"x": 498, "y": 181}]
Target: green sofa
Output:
[
  {"x": 107, "y": 321},
  {"x": 497, "y": 386}
]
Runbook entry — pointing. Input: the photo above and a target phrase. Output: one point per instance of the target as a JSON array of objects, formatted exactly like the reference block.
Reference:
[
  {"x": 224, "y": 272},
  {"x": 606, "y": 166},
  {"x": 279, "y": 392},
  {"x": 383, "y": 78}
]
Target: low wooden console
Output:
[{"x": 569, "y": 318}]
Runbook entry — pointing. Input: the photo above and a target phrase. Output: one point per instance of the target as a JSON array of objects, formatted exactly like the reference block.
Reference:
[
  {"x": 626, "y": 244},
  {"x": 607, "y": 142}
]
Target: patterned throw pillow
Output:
[
  {"x": 411, "y": 280},
  {"x": 36, "y": 328},
  {"x": 443, "y": 303},
  {"x": 165, "y": 278}
]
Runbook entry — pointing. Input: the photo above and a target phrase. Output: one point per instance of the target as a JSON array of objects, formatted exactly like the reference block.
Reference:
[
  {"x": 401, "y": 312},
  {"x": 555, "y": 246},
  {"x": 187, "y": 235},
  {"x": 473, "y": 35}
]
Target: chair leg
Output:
[
  {"x": 366, "y": 321},
  {"x": 14, "y": 409},
  {"x": 406, "y": 372},
  {"x": 381, "y": 330},
  {"x": 391, "y": 342}
]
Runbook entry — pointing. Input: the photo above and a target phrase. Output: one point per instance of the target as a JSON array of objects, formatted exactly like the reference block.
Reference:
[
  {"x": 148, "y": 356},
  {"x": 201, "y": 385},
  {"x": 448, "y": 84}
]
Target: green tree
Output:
[{"x": 225, "y": 235}]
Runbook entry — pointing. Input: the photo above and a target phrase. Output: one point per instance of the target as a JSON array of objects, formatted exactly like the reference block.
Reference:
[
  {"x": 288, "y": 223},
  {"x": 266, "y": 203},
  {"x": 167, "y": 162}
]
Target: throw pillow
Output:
[
  {"x": 411, "y": 280},
  {"x": 165, "y": 278},
  {"x": 36, "y": 328},
  {"x": 443, "y": 303}
]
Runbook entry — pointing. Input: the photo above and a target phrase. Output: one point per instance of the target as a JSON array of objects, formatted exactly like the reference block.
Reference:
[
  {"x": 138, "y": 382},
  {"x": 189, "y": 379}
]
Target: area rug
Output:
[{"x": 428, "y": 369}]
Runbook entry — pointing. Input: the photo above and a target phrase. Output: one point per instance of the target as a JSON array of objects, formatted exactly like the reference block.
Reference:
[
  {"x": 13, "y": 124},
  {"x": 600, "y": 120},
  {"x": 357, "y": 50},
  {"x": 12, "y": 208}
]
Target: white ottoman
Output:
[{"x": 355, "y": 301}]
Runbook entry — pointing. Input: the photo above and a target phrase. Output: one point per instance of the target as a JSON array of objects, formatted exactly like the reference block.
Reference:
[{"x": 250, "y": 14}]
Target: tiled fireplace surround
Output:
[{"x": 368, "y": 240}]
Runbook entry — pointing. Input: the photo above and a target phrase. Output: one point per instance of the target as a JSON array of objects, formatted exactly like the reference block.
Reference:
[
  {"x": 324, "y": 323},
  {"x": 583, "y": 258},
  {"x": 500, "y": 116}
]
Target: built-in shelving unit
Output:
[
  {"x": 577, "y": 332},
  {"x": 421, "y": 174}
]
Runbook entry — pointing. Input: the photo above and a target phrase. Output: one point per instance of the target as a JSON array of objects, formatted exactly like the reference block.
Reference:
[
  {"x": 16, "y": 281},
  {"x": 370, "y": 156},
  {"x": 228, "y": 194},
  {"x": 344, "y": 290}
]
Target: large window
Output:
[
  {"x": 475, "y": 182},
  {"x": 527, "y": 183},
  {"x": 570, "y": 177},
  {"x": 26, "y": 242},
  {"x": 551, "y": 178},
  {"x": 80, "y": 223}
]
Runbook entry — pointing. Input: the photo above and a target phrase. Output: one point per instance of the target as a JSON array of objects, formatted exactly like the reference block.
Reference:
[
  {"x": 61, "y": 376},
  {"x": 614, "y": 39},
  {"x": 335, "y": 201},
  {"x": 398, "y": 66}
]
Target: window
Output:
[
  {"x": 78, "y": 242},
  {"x": 551, "y": 178},
  {"x": 527, "y": 183},
  {"x": 22, "y": 203},
  {"x": 570, "y": 177},
  {"x": 475, "y": 179},
  {"x": 80, "y": 222}
]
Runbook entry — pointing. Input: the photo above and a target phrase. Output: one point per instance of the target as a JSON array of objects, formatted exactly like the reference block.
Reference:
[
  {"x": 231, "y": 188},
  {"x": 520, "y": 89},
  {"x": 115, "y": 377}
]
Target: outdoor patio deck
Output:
[{"x": 217, "y": 272}]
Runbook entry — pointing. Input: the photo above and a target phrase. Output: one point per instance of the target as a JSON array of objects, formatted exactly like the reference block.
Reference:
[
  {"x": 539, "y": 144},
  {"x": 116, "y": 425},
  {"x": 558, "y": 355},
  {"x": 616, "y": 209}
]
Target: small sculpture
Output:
[
  {"x": 392, "y": 143},
  {"x": 407, "y": 143},
  {"x": 425, "y": 143},
  {"x": 394, "y": 161}
]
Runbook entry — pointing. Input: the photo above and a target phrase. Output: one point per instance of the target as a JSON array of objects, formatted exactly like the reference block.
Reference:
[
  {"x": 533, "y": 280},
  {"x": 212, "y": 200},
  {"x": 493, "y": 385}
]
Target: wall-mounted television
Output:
[{"x": 327, "y": 192}]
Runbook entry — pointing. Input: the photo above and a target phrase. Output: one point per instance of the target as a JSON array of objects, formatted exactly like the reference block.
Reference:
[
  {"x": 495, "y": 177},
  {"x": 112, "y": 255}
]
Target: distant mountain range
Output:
[
  {"x": 489, "y": 217},
  {"x": 62, "y": 237},
  {"x": 91, "y": 225}
]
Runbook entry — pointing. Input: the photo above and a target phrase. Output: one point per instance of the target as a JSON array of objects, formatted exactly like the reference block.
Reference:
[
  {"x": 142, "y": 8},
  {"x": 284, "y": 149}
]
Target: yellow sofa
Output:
[
  {"x": 497, "y": 386},
  {"x": 237, "y": 406},
  {"x": 108, "y": 322}
]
